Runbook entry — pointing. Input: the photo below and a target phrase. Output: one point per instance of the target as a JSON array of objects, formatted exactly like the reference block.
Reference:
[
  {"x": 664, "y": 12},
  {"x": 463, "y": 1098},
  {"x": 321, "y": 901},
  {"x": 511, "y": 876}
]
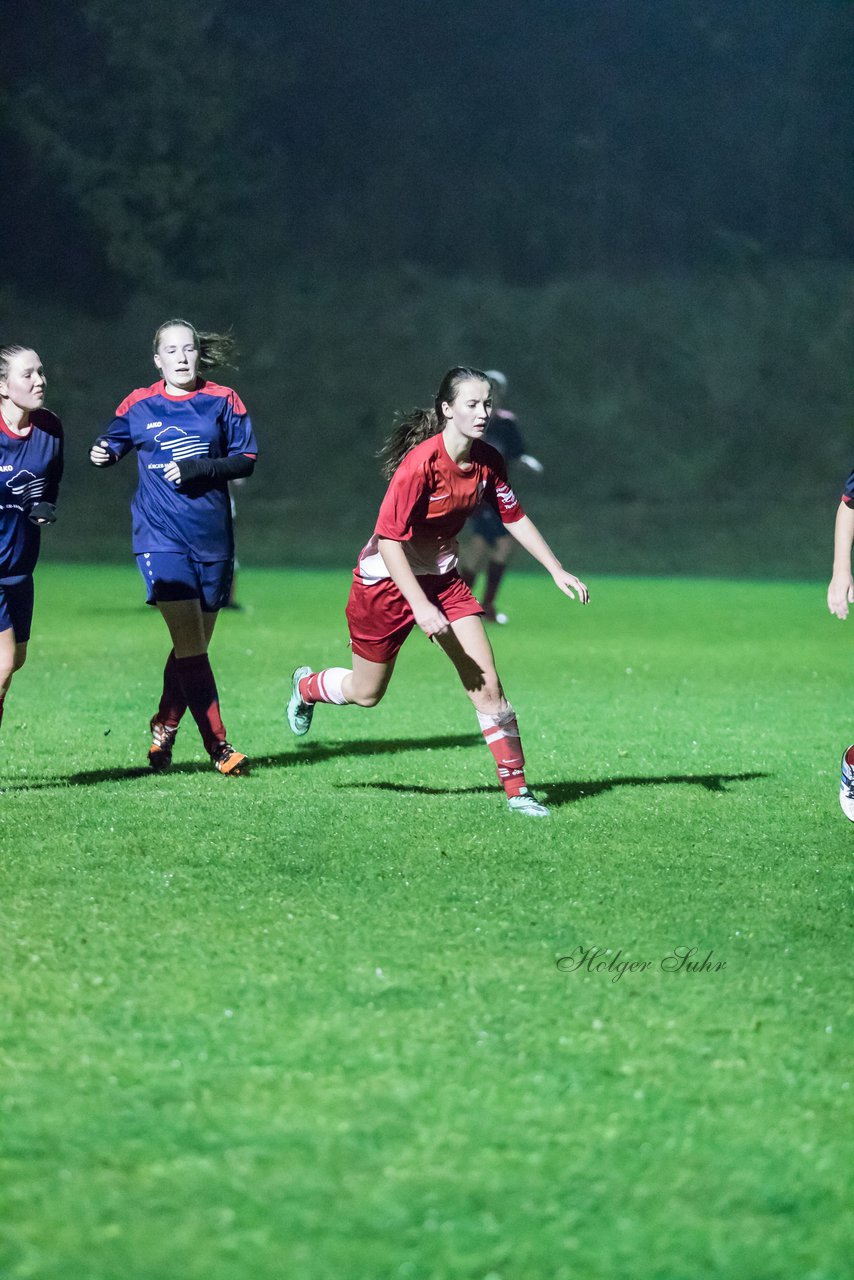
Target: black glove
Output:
[
  {"x": 234, "y": 467},
  {"x": 42, "y": 513}
]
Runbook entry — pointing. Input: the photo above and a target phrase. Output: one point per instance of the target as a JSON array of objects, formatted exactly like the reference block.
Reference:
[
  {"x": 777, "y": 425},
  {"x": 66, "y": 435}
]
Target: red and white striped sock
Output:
[
  {"x": 324, "y": 686},
  {"x": 502, "y": 737}
]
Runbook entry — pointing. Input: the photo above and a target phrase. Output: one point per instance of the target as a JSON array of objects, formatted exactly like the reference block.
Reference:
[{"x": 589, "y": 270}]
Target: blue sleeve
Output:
[
  {"x": 239, "y": 435},
  {"x": 848, "y": 491},
  {"x": 117, "y": 437}
]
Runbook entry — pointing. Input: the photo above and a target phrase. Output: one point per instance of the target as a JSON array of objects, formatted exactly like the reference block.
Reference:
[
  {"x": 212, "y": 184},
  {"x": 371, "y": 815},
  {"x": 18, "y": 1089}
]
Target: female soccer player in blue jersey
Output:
[
  {"x": 439, "y": 468},
  {"x": 191, "y": 436},
  {"x": 30, "y": 472}
]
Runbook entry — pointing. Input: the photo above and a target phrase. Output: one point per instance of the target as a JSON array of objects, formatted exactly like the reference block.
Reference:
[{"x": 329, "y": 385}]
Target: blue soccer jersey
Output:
[
  {"x": 30, "y": 472},
  {"x": 211, "y": 422}
]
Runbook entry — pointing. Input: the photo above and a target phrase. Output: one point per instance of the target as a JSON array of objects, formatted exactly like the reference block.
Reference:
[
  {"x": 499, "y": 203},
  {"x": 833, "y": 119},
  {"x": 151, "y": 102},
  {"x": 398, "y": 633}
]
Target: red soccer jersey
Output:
[{"x": 428, "y": 501}]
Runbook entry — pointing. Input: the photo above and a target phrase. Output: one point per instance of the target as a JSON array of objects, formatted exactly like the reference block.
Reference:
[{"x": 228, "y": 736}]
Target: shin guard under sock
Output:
[{"x": 502, "y": 737}]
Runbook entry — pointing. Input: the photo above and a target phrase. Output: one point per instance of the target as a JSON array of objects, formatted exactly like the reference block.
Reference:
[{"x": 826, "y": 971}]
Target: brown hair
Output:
[
  {"x": 420, "y": 424},
  {"x": 216, "y": 350},
  {"x": 6, "y": 353}
]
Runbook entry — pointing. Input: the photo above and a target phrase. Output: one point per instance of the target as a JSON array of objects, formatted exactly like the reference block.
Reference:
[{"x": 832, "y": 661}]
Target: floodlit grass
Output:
[{"x": 312, "y": 1023}]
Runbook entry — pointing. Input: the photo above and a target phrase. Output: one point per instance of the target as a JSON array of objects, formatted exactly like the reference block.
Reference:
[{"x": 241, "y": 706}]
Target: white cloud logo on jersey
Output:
[
  {"x": 181, "y": 444},
  {"x": 27, "y": 486}
]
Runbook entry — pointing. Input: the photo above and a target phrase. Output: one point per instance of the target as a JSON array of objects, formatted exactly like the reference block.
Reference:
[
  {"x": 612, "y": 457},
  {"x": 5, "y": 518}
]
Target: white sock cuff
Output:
[
  {"x": 330, "y": 681},
  {"x": 498, "y": 721}
]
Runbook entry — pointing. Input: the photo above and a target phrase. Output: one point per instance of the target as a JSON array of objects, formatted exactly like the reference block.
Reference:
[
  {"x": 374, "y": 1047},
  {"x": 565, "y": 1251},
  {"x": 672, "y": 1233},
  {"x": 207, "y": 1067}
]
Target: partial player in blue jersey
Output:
[
  {"x": 192, "y": 437},
  {"x": 30, "y": 472},
  {"x": 490, "y": 546}
]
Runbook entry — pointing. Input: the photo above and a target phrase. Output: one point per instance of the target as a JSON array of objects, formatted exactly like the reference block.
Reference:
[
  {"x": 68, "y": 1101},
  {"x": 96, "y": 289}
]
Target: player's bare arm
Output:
[
  {"x": 840, "y": 592},
  {"x": 528, "y": 536}
]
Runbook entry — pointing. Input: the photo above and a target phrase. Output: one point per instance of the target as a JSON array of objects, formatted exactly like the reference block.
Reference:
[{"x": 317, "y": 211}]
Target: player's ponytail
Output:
[
  {"x": 420, "y": 424},
  {"x": 407, "y": 432},
  {"x": 216, "y": 350}
]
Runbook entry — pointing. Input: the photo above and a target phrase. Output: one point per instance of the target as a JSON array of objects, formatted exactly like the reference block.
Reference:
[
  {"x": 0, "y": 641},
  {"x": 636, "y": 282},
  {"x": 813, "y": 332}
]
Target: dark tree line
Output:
[{"x": 523, "y": 141}]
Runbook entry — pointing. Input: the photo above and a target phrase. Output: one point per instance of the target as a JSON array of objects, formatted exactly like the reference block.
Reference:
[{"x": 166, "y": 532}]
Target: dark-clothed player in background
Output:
[
  {"x": 30, "y": 472},
  {"x": 490, "y": 546},
  {"x": 840, "y": 594},
  {"x": 439, "y": 468},
  {"x": 192, "y": 437}
]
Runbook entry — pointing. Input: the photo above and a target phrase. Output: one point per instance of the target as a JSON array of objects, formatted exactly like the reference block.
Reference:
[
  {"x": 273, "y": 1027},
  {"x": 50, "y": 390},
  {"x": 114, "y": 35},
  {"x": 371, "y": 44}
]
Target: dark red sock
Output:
[
  {"x": 173, "y": 704},
  {"x": 199, "y": 689},
  {"x": 849, "y": 754},
  {"x": 502, "y": 737},
  {"x": 494, "y": 574}
]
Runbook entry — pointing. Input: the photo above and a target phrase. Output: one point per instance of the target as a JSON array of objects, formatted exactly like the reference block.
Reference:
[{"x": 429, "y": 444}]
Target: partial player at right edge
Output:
[{"x": 840, "y": 594}]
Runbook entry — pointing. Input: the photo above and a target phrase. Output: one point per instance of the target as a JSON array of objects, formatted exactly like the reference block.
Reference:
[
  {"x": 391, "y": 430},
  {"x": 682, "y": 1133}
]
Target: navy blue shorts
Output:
[
  {"x": 16, "y": 606},
  {"x": 170, "y": 576},
  {"x": 487, "y": 523}
]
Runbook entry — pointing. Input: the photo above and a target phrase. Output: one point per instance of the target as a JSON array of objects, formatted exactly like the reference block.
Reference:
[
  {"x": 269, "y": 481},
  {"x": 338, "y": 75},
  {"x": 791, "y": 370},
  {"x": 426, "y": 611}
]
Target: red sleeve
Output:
[
  {"x": 407, "y": 496},
  {"x": 498, "y": 492}
]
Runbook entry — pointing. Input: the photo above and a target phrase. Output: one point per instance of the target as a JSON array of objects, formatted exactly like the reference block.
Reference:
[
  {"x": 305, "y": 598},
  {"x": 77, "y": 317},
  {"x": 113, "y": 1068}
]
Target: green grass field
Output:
[{"x": 316, "y": 1023}]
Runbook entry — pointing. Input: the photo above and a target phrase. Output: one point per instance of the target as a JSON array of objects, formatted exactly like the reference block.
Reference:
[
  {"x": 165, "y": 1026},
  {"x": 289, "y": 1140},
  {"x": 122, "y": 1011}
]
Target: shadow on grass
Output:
[
  {"x": 305, "y": 753},
  {"x": 558, "y": 794}
]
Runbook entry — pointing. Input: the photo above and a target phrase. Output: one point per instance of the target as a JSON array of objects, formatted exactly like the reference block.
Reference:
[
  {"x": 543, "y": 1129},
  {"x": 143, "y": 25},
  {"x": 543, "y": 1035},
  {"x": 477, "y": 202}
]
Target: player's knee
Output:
[
  {"x": 489, "y": 698},
  {"x": 367, "y": 697}
]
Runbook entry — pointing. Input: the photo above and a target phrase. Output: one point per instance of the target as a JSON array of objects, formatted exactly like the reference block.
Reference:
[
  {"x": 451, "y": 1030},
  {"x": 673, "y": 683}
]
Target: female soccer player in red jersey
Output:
[
  {"x": 439, "y": 468},
  {"x": 30, "y": 472},
  {"x": 840, "y": 597},
  {"x": 191, "y": 436}
]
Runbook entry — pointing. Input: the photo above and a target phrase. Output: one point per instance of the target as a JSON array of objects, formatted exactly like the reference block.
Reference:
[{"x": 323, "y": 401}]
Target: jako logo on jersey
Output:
[
  {"x": 149, "y": 426},
  {"x": 180, "y": 444},
  {"x": 7, "y": 468},
  {"x": 25, "y": 484}
]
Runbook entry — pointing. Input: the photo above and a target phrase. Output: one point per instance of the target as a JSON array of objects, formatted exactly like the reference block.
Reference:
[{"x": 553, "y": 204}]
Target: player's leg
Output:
[
  {"x": 12, "y": 658},
  {"x": 16, "y": 616},
  {"x": 379, "y": 620},
  {"x": 468, "y": 647},
  {"x": 190, "y": 629},
  {"x": 473, "y": 558},
  {"x": 362, "y": 685},
  {"x": 499, "y": 558}
]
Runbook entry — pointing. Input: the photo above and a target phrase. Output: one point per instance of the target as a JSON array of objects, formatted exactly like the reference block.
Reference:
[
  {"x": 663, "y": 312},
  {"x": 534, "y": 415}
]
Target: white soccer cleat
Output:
[
  {"x": 527, "y": 804},
  {"x": 846, "y": 788},
  {"x": 299, "y": 712}
]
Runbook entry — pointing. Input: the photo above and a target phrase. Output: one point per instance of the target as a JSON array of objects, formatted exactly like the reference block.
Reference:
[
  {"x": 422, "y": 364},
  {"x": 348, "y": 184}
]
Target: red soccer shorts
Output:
[{"x": 380, "y": 618}]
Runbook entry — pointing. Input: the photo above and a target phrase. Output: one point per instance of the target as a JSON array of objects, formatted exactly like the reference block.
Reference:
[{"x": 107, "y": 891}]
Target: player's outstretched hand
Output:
[
  {"x": 432, "y": 621},
  {"x": 840, "y": 594},
  {"x": 572, "y": 586}
]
